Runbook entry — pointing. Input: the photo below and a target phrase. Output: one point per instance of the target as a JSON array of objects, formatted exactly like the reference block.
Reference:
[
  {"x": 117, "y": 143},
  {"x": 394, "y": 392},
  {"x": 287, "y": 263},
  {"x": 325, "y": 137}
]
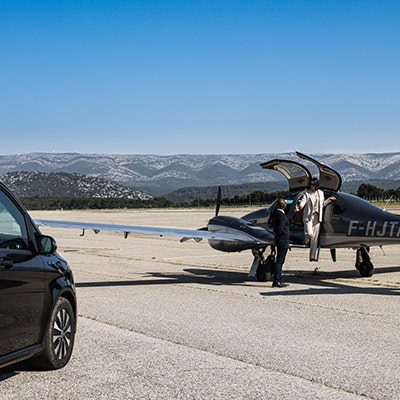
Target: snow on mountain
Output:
[{"x": 165, "y": 173}]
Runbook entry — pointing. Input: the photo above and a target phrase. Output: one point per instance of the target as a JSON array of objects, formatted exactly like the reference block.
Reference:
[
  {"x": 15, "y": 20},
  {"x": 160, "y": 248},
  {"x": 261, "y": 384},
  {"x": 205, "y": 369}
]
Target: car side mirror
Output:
[{"x": 47, "y": 245}]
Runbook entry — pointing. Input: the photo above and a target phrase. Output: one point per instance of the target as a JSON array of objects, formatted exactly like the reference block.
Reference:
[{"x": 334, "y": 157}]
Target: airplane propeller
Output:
[
  {"x": 218, "y": 201},
  {"x": 205, "y": 228}
]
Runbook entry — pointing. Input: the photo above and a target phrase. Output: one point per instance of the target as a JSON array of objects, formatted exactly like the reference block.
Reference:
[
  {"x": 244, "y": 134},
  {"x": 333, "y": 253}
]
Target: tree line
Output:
[
  {"x": 365, "y": 191},
  {"x": 93, "y": 203},
  {"x": 96, "y": 203},
  {"x": 374, "y": 193}
]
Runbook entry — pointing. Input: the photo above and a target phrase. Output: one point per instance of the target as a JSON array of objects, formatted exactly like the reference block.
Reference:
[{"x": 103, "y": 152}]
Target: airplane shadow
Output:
[
  {"x": 334, "y": 282},
  {"x": 199, "y": 276},
  {"x": 323, "y": 283}
]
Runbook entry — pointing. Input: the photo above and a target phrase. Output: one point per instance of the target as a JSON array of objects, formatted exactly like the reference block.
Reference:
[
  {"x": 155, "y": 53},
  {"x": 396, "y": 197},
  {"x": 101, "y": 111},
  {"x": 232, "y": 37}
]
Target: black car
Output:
[{"x": 38, "y": 310}]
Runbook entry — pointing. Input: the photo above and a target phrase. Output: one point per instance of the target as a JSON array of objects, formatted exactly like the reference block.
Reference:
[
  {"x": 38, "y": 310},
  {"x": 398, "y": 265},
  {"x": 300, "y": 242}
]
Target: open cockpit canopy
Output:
[{"x": 299, "y": 176}]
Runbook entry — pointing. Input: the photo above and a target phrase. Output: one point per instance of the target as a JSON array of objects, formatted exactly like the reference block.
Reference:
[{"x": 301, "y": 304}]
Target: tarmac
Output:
[{"x": 160, "y": 319}]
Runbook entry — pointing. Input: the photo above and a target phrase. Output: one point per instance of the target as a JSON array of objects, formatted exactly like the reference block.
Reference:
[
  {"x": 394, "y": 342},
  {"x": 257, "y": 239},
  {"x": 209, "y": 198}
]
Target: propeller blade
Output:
[{"x": 218, "y": 203}]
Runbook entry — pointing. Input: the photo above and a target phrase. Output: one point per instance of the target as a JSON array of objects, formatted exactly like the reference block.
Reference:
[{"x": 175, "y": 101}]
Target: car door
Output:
[{"x": 21, "y": 280}]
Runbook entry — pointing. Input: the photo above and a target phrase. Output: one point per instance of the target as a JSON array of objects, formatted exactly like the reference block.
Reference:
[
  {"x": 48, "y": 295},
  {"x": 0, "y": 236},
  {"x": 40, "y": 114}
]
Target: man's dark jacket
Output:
[{"x": 280, "y": 224}]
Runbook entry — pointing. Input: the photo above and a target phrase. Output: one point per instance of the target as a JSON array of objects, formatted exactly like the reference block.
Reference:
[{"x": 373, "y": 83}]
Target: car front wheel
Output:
[{"x": 58, "y": 340}]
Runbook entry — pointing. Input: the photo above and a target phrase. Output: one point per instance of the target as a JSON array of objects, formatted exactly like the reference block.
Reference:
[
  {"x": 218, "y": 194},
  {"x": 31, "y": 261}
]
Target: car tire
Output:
[{"x": 59, "y": 337}]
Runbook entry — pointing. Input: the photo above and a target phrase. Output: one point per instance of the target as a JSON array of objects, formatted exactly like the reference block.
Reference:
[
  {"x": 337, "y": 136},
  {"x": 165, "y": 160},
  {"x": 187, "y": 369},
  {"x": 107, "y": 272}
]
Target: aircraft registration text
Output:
[{"x": 374, "y": 228}]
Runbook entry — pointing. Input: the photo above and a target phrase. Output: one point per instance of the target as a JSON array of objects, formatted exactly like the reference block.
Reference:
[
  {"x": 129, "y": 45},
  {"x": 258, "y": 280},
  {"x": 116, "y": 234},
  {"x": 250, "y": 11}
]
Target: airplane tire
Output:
[
  {"x": 261, "y": 273},
  {"x": 365, "y": 268}
]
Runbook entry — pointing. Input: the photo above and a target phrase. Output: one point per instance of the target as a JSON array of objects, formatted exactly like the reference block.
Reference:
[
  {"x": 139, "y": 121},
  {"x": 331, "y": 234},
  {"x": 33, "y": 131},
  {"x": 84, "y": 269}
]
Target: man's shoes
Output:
[{"x": 279, "y": 284}]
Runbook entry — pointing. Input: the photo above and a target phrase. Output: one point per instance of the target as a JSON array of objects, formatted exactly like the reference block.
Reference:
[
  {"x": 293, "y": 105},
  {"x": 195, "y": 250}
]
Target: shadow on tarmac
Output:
[
  {"x": 8, "y": 372},
  {"x": 322, "y": 283},
  {"x": 14, "y": 369}
]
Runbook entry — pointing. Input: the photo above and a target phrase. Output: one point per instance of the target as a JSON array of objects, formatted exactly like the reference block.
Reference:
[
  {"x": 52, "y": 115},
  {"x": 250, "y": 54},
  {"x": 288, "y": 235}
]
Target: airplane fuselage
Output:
[
  {"x": 349, "y": 222},
  {"x": 353, "y": 222}
]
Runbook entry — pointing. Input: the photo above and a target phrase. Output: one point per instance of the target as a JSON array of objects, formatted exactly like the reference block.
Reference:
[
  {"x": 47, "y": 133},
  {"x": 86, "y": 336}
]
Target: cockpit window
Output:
[{"x": 338, "y": 209}]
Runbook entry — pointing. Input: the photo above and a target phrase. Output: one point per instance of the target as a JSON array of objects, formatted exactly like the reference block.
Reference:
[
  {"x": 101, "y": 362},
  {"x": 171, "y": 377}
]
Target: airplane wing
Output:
[{"x": 196, "y": 234}]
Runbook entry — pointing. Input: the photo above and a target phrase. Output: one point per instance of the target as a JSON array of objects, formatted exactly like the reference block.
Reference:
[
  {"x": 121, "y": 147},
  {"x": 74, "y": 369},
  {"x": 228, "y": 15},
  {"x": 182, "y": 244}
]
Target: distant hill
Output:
[{"x": 31, "y": 184}]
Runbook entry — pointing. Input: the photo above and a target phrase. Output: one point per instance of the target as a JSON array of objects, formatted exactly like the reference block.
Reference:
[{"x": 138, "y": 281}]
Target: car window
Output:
[{"x": 12, "y": 223}]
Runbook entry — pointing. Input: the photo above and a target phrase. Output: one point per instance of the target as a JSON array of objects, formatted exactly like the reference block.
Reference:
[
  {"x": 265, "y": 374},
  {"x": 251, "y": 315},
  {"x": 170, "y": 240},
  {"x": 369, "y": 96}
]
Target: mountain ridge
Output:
[{"x": 160, "y": 174}]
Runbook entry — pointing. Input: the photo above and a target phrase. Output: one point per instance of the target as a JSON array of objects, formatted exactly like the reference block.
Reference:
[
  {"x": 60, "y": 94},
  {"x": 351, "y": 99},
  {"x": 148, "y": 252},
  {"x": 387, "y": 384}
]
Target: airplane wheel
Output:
[
  {"x": 261, "y": 273},
  {"x": 365, "y": 268}
]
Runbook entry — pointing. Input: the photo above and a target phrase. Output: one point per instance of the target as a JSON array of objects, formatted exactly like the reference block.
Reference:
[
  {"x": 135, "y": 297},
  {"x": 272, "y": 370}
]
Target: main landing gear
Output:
[
  {"x": 363, "y": 262},
  {"x": 262, "y": 267}
]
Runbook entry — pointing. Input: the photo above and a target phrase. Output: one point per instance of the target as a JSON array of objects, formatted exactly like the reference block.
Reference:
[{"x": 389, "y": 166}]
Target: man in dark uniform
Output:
[{"x": 280, "y": 225}]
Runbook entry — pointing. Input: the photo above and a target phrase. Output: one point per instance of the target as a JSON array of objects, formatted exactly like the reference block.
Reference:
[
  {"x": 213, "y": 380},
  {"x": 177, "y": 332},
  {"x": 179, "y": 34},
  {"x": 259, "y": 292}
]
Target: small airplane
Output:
[{"x": 348, "y": 222}]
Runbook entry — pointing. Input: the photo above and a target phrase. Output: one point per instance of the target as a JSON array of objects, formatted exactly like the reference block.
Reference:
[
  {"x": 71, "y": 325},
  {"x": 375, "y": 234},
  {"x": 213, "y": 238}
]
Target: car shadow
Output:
[
  {"x": 15, "y": 369},
  {"x": 12, "y": 370}
]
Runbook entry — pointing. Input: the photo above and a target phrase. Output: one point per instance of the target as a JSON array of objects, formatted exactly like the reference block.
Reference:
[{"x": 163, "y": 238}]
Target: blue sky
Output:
[{"x": 199, "y": 77}]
